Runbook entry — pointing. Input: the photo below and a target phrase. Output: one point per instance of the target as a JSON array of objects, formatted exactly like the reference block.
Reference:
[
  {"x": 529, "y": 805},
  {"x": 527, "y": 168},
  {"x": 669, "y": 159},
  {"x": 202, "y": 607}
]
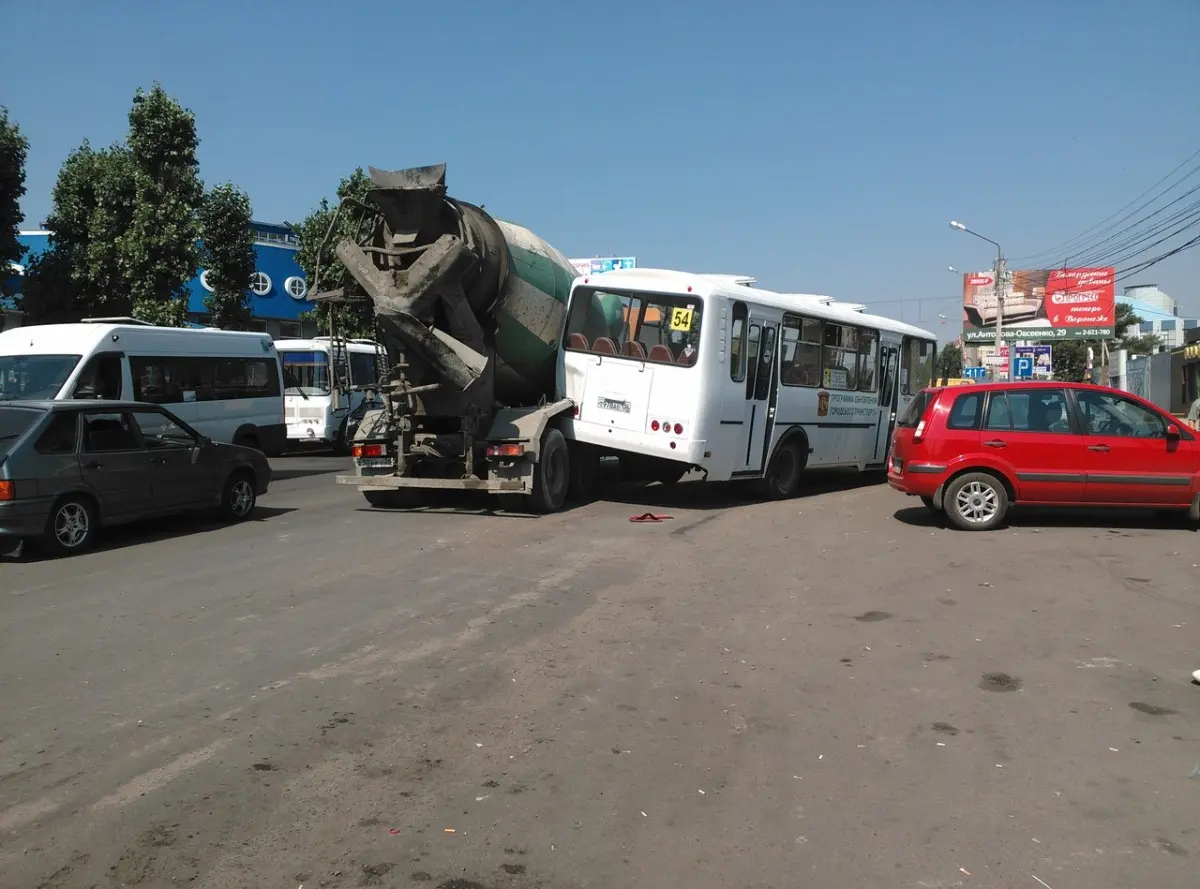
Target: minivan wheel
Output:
[
  {"x": 71, "y": 526},
  {"x": 976, "y": 501}
]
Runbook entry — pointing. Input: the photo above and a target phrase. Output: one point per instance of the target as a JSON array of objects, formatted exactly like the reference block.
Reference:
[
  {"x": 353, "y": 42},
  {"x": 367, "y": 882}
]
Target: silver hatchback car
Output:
[{"x": 68, "y": 467}]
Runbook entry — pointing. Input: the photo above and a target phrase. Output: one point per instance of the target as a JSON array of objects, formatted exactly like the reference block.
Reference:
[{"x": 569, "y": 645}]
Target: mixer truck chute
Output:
[{"x": 470, "y": 309}]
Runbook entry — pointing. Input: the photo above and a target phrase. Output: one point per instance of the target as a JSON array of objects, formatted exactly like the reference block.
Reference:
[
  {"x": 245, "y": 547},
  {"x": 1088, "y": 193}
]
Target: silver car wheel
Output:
[
  {"x": 72, "y": 524},
  {"x": 977, "y": 503},
  {"x": 241, "y": 499}
]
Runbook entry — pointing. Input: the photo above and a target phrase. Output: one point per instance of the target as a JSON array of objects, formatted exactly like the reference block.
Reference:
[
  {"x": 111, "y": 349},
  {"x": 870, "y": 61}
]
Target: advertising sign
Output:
[
  {"x": 598, "y": 265},
  {"x": 1041, "y": 304}
]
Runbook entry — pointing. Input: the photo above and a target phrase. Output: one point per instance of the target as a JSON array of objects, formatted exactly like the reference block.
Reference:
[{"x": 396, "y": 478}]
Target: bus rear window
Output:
[
  {"x": 916, "y": 410},
  {"x": 661, "y": 328}
]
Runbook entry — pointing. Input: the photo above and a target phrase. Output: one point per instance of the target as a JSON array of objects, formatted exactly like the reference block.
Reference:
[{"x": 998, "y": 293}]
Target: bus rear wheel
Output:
[{"x": 783, "y": 473}]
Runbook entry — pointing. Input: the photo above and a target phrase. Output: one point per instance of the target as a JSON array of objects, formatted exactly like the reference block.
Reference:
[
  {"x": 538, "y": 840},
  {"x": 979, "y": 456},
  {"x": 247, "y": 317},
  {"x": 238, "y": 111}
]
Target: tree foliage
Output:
[
  {"x": 124, "y": 223},
  {"x": 950, "y": 361},
  {"x": 358, "y": 320},
  {"x": 158, "y": 250},
  {"x": 14, "y": 148},
  {"x": 228, "y": 255}
]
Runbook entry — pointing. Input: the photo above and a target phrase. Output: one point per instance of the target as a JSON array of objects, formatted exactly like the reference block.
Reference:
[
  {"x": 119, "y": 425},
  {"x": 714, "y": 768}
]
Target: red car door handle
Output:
[
  {"x": 996, "y": 443},
  {"x": 1104, "y": 449}
]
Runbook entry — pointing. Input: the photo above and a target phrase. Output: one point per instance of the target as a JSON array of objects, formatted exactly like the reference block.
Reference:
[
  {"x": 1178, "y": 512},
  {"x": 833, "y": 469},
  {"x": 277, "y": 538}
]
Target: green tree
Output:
[
  {"x": 358, "y": 319},
  {"x": 950, "y": 361},
  {"x": 159, "y": 250},
  {"x": 81, "y": 272},
  {"x": 14, "y": 148},
  {"x": 228, "y": 254},
  {"x": 124, "y": 223}
]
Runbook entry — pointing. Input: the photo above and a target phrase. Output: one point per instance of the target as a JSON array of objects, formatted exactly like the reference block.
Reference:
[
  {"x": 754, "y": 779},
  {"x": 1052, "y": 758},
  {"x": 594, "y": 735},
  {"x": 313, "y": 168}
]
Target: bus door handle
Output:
[{"x": 996, "y": 443}]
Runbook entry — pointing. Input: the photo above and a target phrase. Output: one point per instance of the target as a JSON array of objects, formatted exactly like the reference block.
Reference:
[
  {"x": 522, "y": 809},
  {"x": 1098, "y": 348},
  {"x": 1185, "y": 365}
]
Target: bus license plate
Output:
[
  {"x": 376, "y": 462},
  {"x": 612, "y": 404}
]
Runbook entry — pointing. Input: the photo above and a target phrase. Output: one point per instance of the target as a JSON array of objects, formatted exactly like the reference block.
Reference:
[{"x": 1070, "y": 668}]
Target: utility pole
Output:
[{"x": 1001, "y": 289}]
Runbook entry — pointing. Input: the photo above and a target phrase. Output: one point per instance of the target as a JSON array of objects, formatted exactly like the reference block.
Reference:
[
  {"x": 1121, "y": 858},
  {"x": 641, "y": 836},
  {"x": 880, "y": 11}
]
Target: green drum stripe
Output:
[
  {"x": 524, "y": 352},
  {"x": 539, "y": 271}
]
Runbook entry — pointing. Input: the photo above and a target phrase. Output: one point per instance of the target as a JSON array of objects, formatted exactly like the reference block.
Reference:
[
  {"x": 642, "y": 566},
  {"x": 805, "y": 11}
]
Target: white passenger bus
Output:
[
  {"x": 316, "y": 413},
  {"x": 226, "y": 384},
  {"x": 672, "y": 371}
]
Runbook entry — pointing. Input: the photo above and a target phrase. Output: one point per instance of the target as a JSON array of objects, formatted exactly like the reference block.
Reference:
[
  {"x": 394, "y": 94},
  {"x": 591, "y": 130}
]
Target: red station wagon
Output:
[{"x": 975, "y": 451}]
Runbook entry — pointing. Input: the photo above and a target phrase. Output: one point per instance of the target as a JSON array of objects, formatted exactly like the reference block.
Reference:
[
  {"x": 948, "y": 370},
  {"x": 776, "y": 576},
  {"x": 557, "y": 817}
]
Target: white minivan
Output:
[{"x": 228, "y": 385}]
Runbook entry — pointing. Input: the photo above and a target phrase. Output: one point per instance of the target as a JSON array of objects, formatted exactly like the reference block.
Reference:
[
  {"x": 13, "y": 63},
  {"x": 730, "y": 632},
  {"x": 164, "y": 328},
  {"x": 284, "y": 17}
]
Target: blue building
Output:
[{"x": 277, "y": 295}]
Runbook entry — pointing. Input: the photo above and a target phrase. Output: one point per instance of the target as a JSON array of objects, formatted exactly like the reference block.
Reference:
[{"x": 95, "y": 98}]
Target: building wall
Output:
[{"x": 275, "y": 310}]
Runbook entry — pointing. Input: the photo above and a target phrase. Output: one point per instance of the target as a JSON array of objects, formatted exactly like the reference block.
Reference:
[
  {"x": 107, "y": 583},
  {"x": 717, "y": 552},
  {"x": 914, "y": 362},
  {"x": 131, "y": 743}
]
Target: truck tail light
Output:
[
  {"x": 8, "y": 491},
  {"x": 367, "y": 450},
  {"x": 505, "y": 450}
]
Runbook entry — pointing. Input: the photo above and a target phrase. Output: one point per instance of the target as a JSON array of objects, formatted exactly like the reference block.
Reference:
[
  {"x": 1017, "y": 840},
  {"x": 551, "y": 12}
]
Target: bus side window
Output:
[
  {"x": 101, "y": 378},
  {"x": 737, "y": 343},
  {"x": 752, "y": 360}
]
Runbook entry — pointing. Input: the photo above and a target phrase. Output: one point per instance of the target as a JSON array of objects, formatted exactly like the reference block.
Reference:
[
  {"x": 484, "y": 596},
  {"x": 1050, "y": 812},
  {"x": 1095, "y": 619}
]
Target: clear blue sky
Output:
[{"x": 821, "y": 147}]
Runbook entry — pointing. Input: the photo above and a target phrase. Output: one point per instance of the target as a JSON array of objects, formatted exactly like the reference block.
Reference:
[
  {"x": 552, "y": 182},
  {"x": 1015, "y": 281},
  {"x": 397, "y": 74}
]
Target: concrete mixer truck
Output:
[{"x": 470, "y": 309}]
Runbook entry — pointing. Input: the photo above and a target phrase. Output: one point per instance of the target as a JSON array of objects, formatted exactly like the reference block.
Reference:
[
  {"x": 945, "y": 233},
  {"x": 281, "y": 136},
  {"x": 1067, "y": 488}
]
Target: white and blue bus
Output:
[{"x": 317, "y": 408}]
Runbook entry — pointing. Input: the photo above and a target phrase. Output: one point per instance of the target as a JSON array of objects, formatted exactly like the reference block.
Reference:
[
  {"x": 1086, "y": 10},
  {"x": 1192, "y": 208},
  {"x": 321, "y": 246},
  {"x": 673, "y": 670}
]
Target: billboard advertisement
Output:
[
  {"x": 1041, "y": 304},
  {"x": 597, "y": 265}
]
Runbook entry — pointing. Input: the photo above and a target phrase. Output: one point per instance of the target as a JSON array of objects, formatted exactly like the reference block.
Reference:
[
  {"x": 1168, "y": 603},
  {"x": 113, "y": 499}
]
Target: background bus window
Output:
[
  {"x": 868, "y": 358},
  {"x": 800, "y": 339},
  {"x": 916, "y": 365},
  {"x": 307, "y": 372},
  {"x": 101, "y": 378},
  {"x": 840, "y": 364},
  {"x": 363, "y": 369},
  {"x": 737, "y": 343},
  {"x": 170, "y": 379}
]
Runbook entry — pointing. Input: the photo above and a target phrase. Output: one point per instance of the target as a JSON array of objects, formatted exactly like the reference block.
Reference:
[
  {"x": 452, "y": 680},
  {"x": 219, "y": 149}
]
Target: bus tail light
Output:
[
  {"x": 679, "y": 429},
  {"x": 505, "y": 450},
  {"x": 8, "y": 491},
  {"x": 367, "y": 450},
  {"x": 654, "y": 425}
]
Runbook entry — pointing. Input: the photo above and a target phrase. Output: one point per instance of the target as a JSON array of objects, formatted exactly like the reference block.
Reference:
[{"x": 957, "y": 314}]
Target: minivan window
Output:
[{"x": 34, "y": 377}]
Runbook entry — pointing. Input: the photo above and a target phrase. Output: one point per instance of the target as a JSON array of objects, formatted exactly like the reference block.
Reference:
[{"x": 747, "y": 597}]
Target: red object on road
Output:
[
  {"x": 650, "y": 517},
  {"x": 975, "y": 451}
]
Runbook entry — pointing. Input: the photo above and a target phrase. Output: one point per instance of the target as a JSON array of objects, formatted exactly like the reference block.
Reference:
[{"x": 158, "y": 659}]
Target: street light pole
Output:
[{"x": 999, "y": 287}]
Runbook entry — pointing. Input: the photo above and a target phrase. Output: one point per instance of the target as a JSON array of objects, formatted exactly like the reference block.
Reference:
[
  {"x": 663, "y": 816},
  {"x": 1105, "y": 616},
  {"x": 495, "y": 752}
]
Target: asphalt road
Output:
[{"x": 833, "y": 692}]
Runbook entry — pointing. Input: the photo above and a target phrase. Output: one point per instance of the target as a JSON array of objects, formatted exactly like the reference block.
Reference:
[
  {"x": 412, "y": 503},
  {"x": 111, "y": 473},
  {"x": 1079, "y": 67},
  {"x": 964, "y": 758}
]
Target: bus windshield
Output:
[
  {"x": 34, "y": 377},
  {"x": 305, "y": 373},
  {"x": 657, "y": 327}
]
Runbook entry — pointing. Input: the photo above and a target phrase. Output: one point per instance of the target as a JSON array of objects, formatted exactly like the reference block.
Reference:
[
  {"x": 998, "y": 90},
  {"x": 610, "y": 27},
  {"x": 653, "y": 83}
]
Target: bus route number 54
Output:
[{"x": 681, "y": 319}]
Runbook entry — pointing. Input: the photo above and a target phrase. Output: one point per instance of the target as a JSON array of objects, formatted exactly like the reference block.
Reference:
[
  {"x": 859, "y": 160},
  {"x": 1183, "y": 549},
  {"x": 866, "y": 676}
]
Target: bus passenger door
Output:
[
  {"x": 889, "y": 389},
  {"x": 762, "y": 390}
]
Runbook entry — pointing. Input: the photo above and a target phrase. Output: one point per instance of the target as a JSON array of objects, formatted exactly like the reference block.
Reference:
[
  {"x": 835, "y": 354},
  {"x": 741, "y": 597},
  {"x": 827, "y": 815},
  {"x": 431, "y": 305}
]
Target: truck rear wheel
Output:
[{"x": 551, "y": 474}]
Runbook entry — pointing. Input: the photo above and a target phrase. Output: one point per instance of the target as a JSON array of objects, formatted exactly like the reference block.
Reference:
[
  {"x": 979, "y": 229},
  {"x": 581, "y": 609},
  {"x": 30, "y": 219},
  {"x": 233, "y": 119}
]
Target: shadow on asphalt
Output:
[
  {"x": 149, "y": 531},
  {"x": 1045, "y": 517},
  {"x": 695, "y": 495},
  {"x": 283, "y": 475}
]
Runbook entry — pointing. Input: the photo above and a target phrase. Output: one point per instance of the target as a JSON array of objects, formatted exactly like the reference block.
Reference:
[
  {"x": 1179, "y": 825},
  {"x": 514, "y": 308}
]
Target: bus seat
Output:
[
  {"x": 686, "y": 359},
  {"x": 661, "y": 353},
  {"x": 577, "y": 341},
  {"x": 634, "y": 349},
  {"x": 604, "y": 346}
]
